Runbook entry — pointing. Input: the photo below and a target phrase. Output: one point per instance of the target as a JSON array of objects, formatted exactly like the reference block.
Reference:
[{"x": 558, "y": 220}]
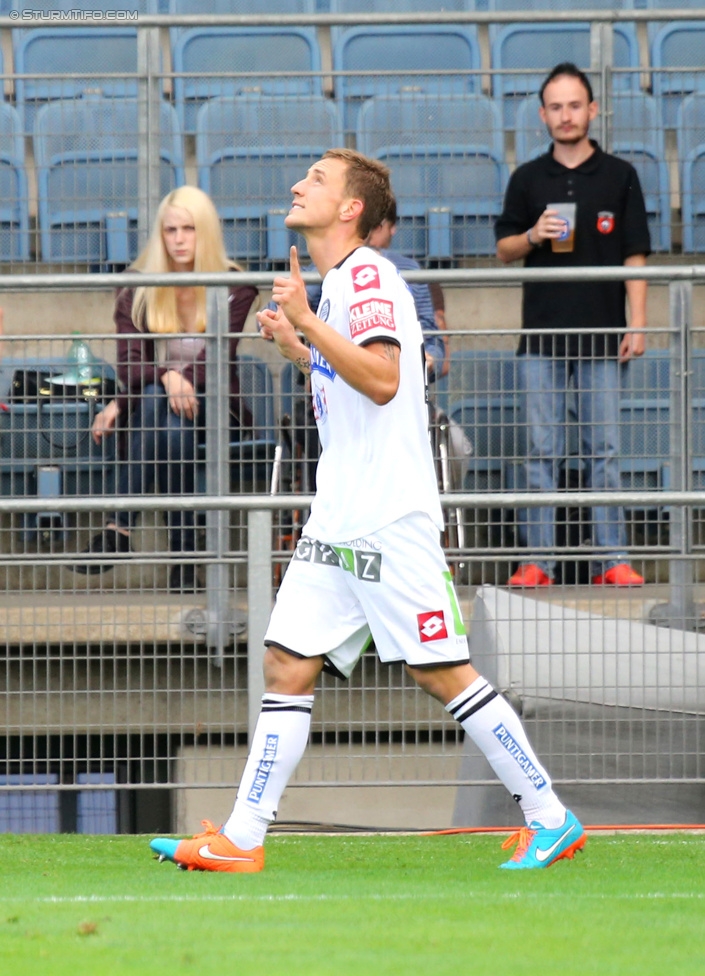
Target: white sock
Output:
[
  {"x": 496, "y": 729},
  {"x": 279, "y": 742}
]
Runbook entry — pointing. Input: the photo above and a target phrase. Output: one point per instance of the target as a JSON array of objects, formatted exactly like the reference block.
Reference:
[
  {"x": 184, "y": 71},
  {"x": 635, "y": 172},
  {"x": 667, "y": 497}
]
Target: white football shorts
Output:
[{"x": 393, "y": 587}]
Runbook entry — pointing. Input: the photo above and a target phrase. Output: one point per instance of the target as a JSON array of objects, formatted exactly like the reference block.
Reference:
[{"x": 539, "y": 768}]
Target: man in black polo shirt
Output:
[{"x": 610, "y": 230}]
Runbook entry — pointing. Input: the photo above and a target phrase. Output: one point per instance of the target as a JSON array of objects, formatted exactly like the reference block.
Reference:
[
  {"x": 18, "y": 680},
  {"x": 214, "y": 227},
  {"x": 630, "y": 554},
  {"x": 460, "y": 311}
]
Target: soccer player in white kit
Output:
[{"x": 369, "y": 565}]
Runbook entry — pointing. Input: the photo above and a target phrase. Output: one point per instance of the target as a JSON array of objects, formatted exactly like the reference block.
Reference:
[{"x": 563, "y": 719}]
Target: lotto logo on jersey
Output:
[
  {"x": 375, "y": 314},
  {"x": 432, "y": 626},
  {"x": 365, "y": 276}
]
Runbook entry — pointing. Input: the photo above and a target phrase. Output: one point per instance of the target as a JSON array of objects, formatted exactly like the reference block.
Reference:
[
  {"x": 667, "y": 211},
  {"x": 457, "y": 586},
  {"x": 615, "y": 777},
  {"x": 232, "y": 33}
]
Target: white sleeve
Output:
[{"x": 370, "y": 302}]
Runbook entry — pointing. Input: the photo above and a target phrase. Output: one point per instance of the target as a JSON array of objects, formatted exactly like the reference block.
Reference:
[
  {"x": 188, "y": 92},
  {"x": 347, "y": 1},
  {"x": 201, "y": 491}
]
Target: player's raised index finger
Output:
[{"x": 294, "y": 262}]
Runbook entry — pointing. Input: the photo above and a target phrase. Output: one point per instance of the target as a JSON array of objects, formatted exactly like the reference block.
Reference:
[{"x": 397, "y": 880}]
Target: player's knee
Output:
[
  {"x": 287, "y": 674},
  {"x": 444, "y": 682}
]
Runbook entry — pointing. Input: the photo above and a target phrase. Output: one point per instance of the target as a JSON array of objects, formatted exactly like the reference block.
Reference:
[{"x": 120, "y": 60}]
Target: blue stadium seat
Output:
[
  {"x": 637, "y": 136},
  {"x": 531, "y": 138},
  {"x": 562, "y": 5},
  {"x": 398, "y": 58},
  {"x": 492, "y": 426},
  {"x": 531, "y": 50},
  {"x": 14, "y": 212},
  {"x": 481, "y": 372},
  {"x": 252, "y": 454},
  {"x": 96, "y": 810},
  {"x": 86, "y": 151},
  {"x": 65, "y": 54},
  {"x": 697, "y": 379},
  {"x": 655, "y": 26},
  {"x": 240, "y": 7},
  {"x": 690, "y": 131},
  {"x": 54, "y": 432},
  {"x": 448, "y": 171},
  {"x": 264, "y": 60},
  {"x": 680, "y": 44},
  {"x": 648, "y": 376},
  {"x": 399, "y": 6},
  {"x": 482, "y": 387},
  {"x": 250, "y": 151},
  {"x": 643, "y": 442},
  {"x": 30, "y": 811}
]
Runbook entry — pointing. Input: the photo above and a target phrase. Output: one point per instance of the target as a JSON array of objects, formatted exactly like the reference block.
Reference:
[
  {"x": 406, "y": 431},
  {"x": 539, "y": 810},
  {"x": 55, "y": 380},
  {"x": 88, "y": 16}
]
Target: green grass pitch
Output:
[{"x": 349, "y": 905}]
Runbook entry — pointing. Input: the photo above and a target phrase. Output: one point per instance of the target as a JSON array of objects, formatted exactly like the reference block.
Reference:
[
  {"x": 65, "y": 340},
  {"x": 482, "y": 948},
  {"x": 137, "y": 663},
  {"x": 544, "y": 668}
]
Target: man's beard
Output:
[{"x": 569, "y": 140}]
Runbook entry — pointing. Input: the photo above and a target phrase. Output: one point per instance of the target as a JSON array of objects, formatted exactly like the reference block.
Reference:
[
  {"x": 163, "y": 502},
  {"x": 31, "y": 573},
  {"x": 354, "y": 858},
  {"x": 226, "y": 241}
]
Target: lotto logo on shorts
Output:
[
  {"x": 365, "y": 276},
  {"x": 374, "y": 314},
  {"x": 432, "y": 626}
]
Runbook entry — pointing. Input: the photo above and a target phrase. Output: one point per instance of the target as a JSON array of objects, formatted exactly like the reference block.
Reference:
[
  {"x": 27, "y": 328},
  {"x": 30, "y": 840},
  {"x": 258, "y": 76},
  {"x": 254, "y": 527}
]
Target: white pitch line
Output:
[{"x": 502, "y": 896}]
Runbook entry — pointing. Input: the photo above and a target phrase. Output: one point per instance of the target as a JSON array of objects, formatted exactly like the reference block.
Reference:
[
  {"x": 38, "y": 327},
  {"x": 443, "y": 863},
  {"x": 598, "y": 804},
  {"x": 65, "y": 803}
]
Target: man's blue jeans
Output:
[{"x": 544, "y": 387}]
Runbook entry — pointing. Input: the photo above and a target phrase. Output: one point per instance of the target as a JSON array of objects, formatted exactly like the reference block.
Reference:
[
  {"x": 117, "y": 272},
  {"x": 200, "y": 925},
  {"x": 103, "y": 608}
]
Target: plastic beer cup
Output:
[{"x": 566, "y": 213}]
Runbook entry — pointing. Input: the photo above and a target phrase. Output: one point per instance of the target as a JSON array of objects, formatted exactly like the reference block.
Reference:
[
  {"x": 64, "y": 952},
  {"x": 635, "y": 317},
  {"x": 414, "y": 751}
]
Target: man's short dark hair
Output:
[
  {"x": 392, "y": 215},
  {"x": 573, "y": 71}
]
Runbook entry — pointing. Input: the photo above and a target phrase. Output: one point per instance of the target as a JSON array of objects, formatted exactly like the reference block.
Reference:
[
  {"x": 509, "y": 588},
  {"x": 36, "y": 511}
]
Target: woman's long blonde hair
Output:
[{"x": 154, "y": 309}]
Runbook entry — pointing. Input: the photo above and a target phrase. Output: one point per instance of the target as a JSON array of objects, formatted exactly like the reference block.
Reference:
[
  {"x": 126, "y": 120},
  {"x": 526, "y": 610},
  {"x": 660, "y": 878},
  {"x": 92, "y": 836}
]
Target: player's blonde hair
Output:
[
  {"x": 154, "y": 309},
  {"x": 366, "y": 179}
]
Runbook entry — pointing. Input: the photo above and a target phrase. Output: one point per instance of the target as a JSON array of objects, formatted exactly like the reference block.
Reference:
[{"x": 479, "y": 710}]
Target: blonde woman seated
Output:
[{"x": 162, "y": 409}]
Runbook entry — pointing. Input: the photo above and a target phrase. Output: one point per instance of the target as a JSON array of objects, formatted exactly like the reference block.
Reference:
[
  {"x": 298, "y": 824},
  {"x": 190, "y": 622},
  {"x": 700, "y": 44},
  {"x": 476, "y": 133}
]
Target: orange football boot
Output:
[{"x": 209, "y": 851}]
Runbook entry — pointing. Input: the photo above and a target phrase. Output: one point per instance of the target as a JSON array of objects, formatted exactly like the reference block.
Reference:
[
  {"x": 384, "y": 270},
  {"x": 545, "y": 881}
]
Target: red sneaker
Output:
[
  {"x": 530, "y": 576},
  {"x": 620, "y": 575}
]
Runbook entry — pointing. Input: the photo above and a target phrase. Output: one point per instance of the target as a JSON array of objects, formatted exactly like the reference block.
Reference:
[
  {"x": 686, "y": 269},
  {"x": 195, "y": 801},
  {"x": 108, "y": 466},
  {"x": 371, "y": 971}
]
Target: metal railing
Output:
[{"x": 151, "y": 699}]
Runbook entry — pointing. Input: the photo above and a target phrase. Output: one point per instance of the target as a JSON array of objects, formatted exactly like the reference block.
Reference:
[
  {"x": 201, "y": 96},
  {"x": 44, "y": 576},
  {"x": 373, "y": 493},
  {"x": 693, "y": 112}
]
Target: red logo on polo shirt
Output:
[
  {"x": 605, "y": 222},
  {"x": 365, "y": 276},
  {"x": 432, "y": 626}
]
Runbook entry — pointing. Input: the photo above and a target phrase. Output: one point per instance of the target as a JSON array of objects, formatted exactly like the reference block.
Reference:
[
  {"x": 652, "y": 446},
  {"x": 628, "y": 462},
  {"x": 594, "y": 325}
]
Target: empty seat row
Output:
[
  {"x": 446, "y": 154},
  {"x": 366, "y": 60}
]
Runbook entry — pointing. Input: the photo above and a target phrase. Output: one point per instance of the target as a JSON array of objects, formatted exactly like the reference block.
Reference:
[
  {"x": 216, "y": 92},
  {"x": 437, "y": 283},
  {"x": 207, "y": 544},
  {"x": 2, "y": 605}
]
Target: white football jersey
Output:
[{"x": 376, "y": 463}]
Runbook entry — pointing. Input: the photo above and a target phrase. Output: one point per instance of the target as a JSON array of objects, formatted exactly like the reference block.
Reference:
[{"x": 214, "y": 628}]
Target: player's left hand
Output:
[
  {"x": 290, "y": 293},
  {"x": 274, "y": 325},
  {"x": 633, "y": 345}
]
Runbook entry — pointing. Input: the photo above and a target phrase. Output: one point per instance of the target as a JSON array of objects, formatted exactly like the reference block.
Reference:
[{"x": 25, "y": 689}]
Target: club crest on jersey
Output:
[
  {"x": 373, "y": 314},
  {"x": 605, "y": 222},
  {"x": 319, "y": 364},
  {"x": 432, "y": 626},
  {"x": 324, "y": 311},
  {"x": 365, "y": 276}
]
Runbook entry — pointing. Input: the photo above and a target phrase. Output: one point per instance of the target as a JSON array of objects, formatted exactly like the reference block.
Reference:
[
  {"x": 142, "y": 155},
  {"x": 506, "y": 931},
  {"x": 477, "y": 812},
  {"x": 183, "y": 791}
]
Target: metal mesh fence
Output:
[
  {"x": 125, "y": 691},
  {"x": 131, "y": 681}
]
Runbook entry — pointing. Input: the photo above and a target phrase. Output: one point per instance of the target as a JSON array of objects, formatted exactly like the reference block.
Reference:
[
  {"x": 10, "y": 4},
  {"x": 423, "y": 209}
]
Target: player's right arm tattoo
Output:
[
  {"x": 391, "y": 351},
  {"x": 303, "y": 363}
]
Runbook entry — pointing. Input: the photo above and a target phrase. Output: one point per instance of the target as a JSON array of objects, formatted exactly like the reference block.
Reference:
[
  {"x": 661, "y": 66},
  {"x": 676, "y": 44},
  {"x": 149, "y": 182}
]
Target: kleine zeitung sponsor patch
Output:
[{"x": 374, "y": 314}]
